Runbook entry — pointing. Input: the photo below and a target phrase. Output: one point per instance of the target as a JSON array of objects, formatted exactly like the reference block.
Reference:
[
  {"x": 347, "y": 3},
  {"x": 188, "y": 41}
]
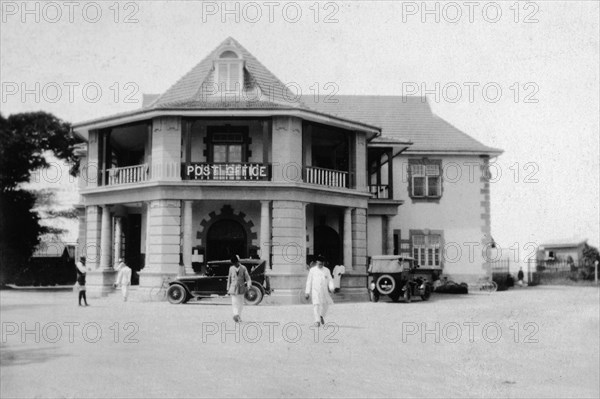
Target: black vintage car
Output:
[
  {"x": 212, "y": 280},
  {"x": 399, "y": 276}
]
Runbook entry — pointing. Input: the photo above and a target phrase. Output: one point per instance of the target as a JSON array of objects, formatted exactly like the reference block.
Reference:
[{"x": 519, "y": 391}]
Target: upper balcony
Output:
[{"x": 217, "y": 150}]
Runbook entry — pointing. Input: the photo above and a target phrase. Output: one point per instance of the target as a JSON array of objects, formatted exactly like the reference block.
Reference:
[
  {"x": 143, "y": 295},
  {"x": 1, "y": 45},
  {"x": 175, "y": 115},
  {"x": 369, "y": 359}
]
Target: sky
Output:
[{"x": 528, "y": 74}]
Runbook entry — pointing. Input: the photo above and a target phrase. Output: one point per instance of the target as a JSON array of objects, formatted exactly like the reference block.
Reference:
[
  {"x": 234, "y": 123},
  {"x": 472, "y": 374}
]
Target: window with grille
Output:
[
  {"x": 427, "y": 249},
  {"x": 425, "y": 180}
]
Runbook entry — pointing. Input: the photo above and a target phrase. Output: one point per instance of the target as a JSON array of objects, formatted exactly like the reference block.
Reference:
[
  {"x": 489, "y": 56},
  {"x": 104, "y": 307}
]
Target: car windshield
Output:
[{"x": 388, "y": 265}]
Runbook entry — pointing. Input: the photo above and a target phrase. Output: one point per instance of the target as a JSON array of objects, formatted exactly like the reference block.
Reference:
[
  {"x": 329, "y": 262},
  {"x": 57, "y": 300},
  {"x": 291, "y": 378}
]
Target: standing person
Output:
[
  {"x": 317, "y": 287},
  {"x": 520, "y": 277},
  {"x": 81, "y": 272},
  {"x": 238, "y": 282},
  {"x": 123, "y": 278}
]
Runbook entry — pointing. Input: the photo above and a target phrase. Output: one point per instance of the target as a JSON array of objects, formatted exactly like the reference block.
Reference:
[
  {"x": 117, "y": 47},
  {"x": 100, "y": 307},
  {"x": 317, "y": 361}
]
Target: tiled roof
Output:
[
  {"x": 195, "y": 85},
  {"x": 406, "y": 118}
]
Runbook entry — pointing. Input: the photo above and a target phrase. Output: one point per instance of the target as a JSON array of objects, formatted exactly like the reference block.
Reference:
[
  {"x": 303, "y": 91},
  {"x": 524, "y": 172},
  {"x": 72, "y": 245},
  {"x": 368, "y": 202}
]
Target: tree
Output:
[
  {"x": 590, "y": 255},
  {"x": 24, "y": 138}
]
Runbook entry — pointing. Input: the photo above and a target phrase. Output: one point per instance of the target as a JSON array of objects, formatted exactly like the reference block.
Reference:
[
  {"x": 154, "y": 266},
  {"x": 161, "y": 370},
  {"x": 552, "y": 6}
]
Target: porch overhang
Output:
[
  {"x": 82, "y": 129},
  {"x": 384, "y": 207}
]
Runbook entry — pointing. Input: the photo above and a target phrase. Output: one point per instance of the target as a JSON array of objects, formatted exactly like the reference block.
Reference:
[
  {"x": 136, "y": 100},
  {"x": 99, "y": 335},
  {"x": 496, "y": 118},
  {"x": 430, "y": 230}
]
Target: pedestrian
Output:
[
  {"x": 81, "y": 272},
  {"x": 238, "y": 282},
  {"x": 520, "y": 277},
  {"x": 317, "y": 287},
  {"x": 123, "y": 278}
]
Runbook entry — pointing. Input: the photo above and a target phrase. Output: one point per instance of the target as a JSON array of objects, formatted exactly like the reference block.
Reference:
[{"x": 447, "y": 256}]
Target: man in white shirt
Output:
[
  {"x": 317, "y": 287},
  {"x": 123, "y": 278}
]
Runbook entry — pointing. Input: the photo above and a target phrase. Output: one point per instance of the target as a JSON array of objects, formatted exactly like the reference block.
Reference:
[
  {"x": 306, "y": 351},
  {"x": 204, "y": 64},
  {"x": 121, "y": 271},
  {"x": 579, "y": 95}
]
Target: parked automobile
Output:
[
  {"x": 399, "y": 276},
  {"x": 212, "y": 280}
]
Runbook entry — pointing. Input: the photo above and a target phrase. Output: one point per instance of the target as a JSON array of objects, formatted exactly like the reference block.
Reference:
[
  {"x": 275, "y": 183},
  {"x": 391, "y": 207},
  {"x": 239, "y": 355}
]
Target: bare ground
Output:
[{"x": 531, "y": 342}]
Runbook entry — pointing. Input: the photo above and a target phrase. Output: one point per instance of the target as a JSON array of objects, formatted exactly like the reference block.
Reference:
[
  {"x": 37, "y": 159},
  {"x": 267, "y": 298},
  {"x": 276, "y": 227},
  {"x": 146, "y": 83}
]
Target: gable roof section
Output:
[
  {"x": 190, "y": 91},
  {"x": 404, "y": 117}
]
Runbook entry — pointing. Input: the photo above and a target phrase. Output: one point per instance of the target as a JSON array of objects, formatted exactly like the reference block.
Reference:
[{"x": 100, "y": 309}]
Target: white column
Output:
[
  {"x": 265, "y": 231},
  {"x": 118, "y": 241},
  {"x": 187, "y": 237},
  {"x": 348, "y": 238},
  {"x": 389, "y": 236},
  {"x": 105, "y": 239}
]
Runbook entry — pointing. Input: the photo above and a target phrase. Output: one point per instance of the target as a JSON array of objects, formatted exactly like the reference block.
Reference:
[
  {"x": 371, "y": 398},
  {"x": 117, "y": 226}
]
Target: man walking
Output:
[
  {"x": 238, "y": 282},
  {"x": 123, "y": 278},
  {"x": 81, "y": 273},
  {"x": 317, "y": 287}
]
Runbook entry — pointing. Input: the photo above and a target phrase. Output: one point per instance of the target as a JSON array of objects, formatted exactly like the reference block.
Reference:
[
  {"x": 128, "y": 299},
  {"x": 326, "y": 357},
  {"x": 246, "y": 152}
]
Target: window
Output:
[
  {"x": 228, "y": 148},
  {"x": 229, "y": 72},
  {"x": 425, "y": 179},
  {"x": 426, "y": 249}
]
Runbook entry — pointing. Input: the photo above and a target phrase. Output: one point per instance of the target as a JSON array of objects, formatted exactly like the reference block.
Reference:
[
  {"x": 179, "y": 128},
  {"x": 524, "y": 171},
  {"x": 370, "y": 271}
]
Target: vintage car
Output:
[
  {"x": 212, "y": 281},
  {"x": 399, "y": 276}
]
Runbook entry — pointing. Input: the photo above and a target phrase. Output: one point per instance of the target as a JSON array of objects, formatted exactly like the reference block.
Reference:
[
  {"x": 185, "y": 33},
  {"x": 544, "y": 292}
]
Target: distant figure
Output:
[
  {"x": 317, "y": 287},
  {"x": 81, "y": 272},
  {"x": 123, "y": 278},
  {"x": 238, "y": 282},
  {"x": 520, "y": 277}
]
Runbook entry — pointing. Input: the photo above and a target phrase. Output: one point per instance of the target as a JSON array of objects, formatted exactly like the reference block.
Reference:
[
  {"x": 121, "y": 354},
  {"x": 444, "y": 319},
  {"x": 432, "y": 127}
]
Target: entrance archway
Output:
[
  {"x": 224, "y": 239},
  {"x": 327, "y": 243}
]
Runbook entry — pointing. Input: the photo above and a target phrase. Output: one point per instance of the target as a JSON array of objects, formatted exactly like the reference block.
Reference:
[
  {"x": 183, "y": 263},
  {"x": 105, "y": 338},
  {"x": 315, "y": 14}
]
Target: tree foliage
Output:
[{"x": 24, "y": 138}]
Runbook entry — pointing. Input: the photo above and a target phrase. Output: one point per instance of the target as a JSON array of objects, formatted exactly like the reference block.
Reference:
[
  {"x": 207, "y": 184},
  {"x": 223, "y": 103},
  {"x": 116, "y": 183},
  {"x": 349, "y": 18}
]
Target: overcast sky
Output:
[{"x": 543, "y": 56}]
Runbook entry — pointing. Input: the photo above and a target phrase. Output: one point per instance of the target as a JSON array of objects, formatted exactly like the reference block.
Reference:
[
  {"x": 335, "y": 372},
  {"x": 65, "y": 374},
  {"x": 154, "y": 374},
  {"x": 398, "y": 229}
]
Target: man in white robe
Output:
[
  {"x": 317, "y": 287},
  {"x": 123, "y": 278}
]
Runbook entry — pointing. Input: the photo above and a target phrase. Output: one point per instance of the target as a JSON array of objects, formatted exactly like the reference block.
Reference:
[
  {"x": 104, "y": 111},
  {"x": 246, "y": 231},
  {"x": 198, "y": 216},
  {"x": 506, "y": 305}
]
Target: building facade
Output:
[{"x": 230, "y": 161}]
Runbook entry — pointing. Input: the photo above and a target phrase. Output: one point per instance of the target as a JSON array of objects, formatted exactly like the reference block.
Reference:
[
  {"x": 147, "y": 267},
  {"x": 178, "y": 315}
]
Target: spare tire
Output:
[{"x": 386, "y": 284}]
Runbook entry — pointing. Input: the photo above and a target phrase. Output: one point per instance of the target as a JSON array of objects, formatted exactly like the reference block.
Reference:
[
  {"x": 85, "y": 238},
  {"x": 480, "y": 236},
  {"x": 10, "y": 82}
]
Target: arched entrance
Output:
[
  {"x": 224, "y": 239},
  {"x": 327, "y": 243}
]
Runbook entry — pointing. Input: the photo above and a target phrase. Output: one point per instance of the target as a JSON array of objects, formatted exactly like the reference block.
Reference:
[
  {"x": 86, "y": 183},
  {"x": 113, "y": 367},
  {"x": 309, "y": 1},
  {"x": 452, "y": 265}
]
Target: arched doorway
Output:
[
  {"x": 224, "y": 239},
  {"x": 327, "y": 243}
]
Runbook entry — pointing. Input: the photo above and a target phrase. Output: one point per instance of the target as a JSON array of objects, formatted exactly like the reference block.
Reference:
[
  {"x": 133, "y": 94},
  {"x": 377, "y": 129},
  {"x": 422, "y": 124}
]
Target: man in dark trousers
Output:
[{"x": 81, "y": 272}]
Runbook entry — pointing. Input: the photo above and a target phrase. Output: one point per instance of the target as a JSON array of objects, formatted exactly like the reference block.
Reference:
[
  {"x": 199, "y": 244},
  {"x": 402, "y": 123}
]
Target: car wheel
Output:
[
  {"x": 386, "y": 284},
  {"x": 374, "y": 296},
  {"x": 427, "y": 294},
  {"x": 176, "y": 294},
  {"x": 253, "y": 296}
]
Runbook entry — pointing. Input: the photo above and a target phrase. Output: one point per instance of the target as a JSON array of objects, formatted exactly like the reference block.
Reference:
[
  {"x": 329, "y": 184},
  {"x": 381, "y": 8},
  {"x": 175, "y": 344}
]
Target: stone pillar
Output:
[
  {"x": 348, "y": 238},
  {"x": 99, "y": 281},
  {"x": 288, "y": 273},
  {"x": 106, "y": 239},
  {"x": 163, "y": 243},
  {"x": 166, "y": 148},
  {"x": 359, "y": 240},
  {"x": 91, "y": 246},
  {"x": 389, "y": 235},
  {"x": 118, "y": 241},
  {"x": 187, "y": 237},
  {"x": 287, "y": 145},
  {"x": 265, "y": 232},
  {"x": 360, "y": 156}
]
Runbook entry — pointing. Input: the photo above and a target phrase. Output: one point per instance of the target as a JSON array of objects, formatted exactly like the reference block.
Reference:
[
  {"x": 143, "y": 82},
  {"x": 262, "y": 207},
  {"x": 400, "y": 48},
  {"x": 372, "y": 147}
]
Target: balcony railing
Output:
[
  {"x": 225, "y": 171},
  {"x": 380, "y": 191},
  {"x": 326, "y": 177},
  {"x": 128, "y": 174}
]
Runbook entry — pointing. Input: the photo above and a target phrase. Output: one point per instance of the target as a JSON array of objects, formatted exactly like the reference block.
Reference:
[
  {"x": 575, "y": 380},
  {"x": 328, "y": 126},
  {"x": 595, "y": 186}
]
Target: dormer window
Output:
[{"x": 229, "y": 72}]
